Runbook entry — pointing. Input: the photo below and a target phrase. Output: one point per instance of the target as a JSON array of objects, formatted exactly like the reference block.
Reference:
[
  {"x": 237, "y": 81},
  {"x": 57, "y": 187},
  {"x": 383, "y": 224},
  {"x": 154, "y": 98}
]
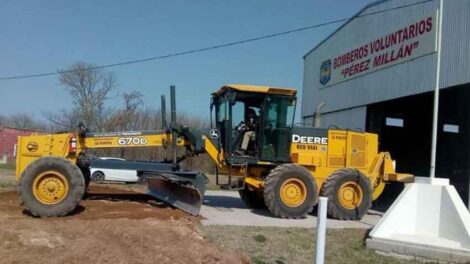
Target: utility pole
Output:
[{"x": 435, "y": 118}]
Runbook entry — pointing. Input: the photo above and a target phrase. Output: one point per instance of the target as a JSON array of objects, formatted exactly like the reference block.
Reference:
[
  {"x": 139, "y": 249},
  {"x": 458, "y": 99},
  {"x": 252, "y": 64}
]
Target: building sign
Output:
[{"x": 411, "y": 41}]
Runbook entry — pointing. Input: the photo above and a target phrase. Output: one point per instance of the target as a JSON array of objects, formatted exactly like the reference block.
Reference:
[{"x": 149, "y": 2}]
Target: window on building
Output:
[
  {"x": 394, "y": 122},
  {"x": 451, "y": 128}
]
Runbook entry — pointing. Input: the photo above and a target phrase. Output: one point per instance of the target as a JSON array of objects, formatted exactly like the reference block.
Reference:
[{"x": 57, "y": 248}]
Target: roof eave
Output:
[{"x": 344, "y": 24}]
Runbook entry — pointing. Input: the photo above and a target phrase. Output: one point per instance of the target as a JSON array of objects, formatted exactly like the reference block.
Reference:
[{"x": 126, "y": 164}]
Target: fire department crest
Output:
[{"x": 325, "y": 72}]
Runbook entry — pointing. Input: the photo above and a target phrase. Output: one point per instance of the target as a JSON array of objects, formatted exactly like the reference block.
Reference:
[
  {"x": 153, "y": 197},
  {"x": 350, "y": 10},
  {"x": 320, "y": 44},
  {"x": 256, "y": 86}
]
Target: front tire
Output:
[
  {"x": 349, "y": 194},
  {"x": 51, "y": 186},
  {"x": 290, "y": 191}
]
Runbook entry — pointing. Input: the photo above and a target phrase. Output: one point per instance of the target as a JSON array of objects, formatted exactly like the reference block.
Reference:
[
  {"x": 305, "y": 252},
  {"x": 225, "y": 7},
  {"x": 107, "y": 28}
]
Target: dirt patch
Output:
[
  {"x": 107, "y": 202},
  {"x": 112, "y": 202},
  {"x": 112, "y": 225}
]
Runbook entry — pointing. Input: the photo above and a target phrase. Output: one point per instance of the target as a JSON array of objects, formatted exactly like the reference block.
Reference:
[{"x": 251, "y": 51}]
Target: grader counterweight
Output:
[{"x": 252, "y": 139}]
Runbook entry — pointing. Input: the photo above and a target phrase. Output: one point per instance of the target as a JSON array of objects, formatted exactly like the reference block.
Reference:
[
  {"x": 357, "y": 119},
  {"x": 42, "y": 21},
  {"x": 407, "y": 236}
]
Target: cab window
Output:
[
  {"x": 222, "y": 111},
  {"x": 238, "y": 113}
]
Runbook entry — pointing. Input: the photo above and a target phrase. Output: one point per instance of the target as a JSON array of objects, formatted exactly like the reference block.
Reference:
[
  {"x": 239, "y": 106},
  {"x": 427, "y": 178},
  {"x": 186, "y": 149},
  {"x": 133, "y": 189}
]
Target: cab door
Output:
[
  {"x": 223, "y": 123},
  {"x": 276, "y": 129}
]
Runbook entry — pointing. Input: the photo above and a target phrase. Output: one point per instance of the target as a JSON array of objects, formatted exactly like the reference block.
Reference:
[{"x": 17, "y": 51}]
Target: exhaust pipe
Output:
[
  {"x": 181, "y": 189},
  {"x": 163, "y": 109},
  {"x": 317, "y": 115},
  {"x": 174, "y": 135}
]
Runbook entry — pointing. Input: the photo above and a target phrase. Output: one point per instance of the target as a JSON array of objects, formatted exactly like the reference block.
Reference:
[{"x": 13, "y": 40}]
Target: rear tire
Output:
[
  {"x": 98, "y": 177},
  {"x": 251, "y": 198},
  {"x": 290, "y": 191},
  {"x": 349, "y": 194},
  {"x": 51, "y": 186}
]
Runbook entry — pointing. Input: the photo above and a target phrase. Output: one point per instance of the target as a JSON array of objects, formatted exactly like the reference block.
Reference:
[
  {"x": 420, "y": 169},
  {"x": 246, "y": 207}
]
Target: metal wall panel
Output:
[
  {"x": 408, "y": 78},
  {"x": 455, "y": 60},
  {"x": 354, "y": 118}
]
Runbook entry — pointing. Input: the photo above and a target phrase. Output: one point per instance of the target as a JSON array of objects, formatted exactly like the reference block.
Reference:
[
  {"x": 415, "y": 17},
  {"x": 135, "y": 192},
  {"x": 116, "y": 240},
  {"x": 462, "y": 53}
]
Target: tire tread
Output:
[
  {"x": 329, "y": 190},
  {"x": 74, "y": 196},
  {"x": 273, "y": 203}
]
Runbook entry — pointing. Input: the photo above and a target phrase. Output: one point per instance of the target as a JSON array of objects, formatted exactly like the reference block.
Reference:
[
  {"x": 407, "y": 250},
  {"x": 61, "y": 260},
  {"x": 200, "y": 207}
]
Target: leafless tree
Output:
[
  {"x": 132, "y": 100},
  {"x": 89, "y": 88},
  {"x": 66, "y": 120},
  {"x": 3, "y": 120},
  {"x": 22, "y": 120}
]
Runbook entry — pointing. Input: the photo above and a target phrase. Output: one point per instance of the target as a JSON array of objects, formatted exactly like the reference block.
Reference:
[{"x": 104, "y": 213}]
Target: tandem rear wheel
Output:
[
  {"x": 51, "y": 186},
  {"x": 349, "y": 194}
]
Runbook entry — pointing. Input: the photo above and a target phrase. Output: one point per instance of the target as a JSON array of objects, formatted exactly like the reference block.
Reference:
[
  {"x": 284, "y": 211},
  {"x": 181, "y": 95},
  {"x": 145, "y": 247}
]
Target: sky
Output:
[{"x": 45, "y": 36}]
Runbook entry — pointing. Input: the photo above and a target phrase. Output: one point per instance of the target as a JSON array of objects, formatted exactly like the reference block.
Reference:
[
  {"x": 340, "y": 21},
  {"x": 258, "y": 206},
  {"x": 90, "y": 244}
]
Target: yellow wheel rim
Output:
[
  {"x": 50, "y": 187},
  {"x": 350, "y": 195},
  {"x": 293, "y": 192}
]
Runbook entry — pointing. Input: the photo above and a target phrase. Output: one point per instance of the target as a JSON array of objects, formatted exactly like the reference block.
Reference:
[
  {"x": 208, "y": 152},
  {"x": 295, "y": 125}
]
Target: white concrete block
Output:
[
  {"x": 428, "y": 216},
  {"x": 434, "y": 181}
]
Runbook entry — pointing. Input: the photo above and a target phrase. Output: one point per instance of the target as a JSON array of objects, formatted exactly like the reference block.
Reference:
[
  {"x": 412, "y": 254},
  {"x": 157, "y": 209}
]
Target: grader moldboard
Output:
[{"x": 285, "y": 168}]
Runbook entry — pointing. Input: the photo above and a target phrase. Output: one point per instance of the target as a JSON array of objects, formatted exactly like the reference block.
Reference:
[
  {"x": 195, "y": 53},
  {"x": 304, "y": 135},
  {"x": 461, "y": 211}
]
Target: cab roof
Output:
[{"x": 256, "y": 89}]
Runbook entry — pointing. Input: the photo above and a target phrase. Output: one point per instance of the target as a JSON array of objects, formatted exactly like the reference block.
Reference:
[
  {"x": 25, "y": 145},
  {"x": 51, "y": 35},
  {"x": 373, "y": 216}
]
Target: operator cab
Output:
[{"x": 274, "y": 110}]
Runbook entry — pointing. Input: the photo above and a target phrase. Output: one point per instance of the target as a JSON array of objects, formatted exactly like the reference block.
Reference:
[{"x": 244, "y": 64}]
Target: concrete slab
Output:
[
  {"x": 397, "y": 248},
  {"x": 226, "y": 208}
]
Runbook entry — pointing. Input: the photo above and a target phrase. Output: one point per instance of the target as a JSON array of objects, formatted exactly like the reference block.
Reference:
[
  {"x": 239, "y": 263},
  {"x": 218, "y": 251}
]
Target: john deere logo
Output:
[
  {"x": 325, "y": 72},
  {"x": 32, "y": 146},
  {"x": 214, "y": 133}
]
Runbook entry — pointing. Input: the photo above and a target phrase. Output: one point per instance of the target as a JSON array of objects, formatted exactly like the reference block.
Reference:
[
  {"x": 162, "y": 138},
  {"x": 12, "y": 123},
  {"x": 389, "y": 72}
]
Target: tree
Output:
[
  {"x": 89, "y": 88},
  {"x": 23, "y": 121},
  {"x": 3, "y": 120},
  {"x": 132, "y": 100},
  {"x": 126, "y": 117}
]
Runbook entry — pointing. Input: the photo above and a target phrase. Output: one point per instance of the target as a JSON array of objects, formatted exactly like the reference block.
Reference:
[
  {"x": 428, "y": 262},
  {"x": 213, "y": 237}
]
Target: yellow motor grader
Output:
[{"x": 285, "y": 167}]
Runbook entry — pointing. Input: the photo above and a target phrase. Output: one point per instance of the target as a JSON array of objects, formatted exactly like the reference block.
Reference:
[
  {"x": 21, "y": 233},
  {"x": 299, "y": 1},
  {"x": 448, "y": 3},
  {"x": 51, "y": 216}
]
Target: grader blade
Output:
[{"x": 179, "y": 191}]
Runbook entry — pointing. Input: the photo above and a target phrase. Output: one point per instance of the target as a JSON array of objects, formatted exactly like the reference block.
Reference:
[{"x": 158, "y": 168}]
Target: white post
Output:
[
  {"x": 435, "y": 118},
  {"x": 468, "y": 203},
  {"x": 321, "y": 230}
]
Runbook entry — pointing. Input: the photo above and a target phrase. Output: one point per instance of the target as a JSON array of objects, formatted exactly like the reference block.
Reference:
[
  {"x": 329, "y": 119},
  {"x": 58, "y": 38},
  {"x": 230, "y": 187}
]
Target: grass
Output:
[
  {"x": 7, "y": 178},
  {"x": 7, "y": 184},
  {"x": 295, "y": 245},
  {"x": 7, "y": 166}
]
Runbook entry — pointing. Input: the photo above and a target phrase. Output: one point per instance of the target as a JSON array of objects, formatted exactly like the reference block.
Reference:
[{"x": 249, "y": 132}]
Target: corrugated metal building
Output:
[
  {"x": 377, "y": 72},
  {"x": 8, "y": 137}
]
